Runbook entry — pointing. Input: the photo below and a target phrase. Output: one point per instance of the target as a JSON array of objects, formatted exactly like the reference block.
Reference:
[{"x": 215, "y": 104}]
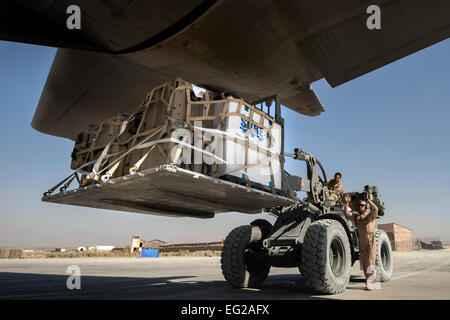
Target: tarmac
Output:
[{"x": 423, "y": 274}]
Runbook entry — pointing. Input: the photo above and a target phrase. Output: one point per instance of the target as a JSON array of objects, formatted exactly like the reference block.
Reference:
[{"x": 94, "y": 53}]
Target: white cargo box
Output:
[{"x": 260, "y": 163}]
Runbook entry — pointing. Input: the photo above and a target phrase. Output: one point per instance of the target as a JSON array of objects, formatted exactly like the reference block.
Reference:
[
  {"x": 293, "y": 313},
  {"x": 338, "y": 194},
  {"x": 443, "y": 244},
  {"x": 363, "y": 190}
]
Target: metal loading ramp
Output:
[{"x": 171, "y": 191}]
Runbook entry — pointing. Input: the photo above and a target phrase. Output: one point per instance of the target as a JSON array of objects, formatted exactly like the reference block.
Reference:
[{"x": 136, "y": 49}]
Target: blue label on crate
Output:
[
  {"x": 255, "y": 132},
  {"x": 243, "y": 126}
]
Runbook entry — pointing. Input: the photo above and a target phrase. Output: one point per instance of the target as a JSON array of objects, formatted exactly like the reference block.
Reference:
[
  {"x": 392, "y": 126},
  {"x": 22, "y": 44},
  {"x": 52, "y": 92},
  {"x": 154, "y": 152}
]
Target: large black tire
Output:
[
  {"x": 326, "y": 257},
  {"x": 384, "y": 260},
  {"x": 242, "y": 266}
]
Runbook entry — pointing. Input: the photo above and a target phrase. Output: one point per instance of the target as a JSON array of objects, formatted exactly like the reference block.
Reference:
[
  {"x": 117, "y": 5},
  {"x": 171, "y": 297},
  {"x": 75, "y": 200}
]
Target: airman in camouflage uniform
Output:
[{"x": 335, "y": 187}]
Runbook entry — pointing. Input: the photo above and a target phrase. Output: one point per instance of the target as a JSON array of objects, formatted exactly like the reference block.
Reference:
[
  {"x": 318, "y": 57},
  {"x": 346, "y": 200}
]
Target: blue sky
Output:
[{"x": 387, "y": 128}]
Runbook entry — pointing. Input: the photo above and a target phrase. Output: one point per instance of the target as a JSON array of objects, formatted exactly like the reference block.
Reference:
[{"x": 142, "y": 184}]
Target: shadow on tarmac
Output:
[{"x": 31, "y": 286}]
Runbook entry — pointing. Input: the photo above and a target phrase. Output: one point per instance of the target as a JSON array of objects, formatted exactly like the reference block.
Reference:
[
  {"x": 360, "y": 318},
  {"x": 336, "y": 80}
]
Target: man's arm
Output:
[{"x": 373, "y": 209}]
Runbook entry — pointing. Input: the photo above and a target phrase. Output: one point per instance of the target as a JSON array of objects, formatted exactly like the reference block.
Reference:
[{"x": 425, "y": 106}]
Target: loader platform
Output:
[{"x": 171, "y": 191}]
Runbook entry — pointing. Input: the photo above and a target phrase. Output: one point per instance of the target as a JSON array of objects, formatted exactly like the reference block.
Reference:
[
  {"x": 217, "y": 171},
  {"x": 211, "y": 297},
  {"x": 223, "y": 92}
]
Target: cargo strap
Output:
[
  {"x": 80, "y": 169},
  {"x": 247, "y": 166},
  {"x": 110, "y": 172},
  {"x": 149, "y": 144},
  {"x": 137, "y": 146},
  {"x": 51, "y": 190},
  {"x": 153, "y": 144},
  {"x": 138, "y": 164},
  {"x": 135, "y": 168},
  {"x": 143, "y": 145},
  {"x": 105, "y": 151}
]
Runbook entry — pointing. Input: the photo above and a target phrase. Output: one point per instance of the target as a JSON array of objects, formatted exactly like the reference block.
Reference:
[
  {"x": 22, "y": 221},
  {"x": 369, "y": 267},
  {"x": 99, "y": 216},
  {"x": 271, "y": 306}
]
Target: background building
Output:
[
  {"x": 154, "y": 244},
  {"x": 104, "y": 248},
  {"x": 400, "y": 237},
  {"x": 137, "y": 244}
]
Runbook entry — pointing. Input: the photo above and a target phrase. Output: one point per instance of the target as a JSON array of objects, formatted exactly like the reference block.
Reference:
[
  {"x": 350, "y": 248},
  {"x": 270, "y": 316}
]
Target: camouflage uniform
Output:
[{"x": 335, "y": 189}]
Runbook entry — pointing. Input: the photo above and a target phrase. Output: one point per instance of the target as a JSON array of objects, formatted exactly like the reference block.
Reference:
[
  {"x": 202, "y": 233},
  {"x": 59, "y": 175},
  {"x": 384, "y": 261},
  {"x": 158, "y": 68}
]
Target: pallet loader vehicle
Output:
[{"x": 313, "y": 235}]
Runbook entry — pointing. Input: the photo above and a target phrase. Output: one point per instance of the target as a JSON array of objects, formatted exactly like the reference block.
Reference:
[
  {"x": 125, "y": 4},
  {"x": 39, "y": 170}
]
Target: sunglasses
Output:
[{"x": 362, "y": 205}]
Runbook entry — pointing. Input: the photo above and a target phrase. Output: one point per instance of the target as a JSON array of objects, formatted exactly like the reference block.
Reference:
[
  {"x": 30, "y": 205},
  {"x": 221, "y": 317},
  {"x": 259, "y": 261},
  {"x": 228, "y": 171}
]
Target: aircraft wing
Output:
[{"x": 251, "y": 48}]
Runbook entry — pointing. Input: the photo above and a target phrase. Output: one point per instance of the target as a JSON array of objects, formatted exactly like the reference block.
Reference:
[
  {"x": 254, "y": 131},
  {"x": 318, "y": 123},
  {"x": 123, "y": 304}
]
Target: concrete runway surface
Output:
[{"x": 417, "y": 275}]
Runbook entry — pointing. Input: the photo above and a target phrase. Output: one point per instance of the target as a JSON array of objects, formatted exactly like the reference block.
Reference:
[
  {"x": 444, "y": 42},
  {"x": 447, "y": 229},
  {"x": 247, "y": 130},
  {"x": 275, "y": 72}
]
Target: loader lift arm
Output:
[{"x": 315, "y": 187}]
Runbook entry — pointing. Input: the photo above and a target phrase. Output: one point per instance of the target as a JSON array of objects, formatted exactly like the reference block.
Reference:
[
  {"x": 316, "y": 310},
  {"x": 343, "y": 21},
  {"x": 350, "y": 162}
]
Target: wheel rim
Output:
[
  {"x": 337, "y": 257},
  {"x": 385, "y": 258}
]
